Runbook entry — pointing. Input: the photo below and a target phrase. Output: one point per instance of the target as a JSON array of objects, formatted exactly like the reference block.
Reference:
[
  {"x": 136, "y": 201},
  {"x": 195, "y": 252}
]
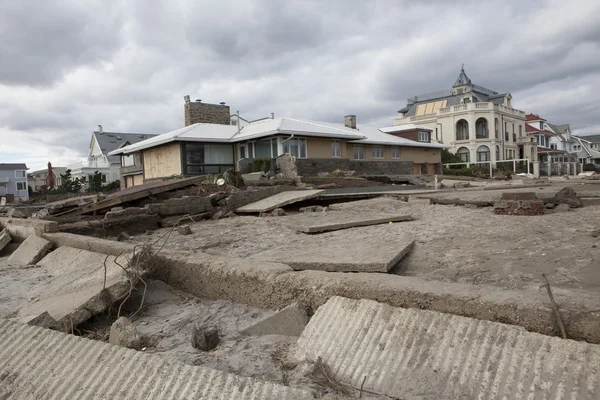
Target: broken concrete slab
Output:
[
  {"x": 279, "y": 200},
  {"x": 567, "y": 196},
  {"x": 442, "y": 356},
  {"x": 30, "y": 251},
  {"x": 419, "y": 200},
  {"x": 336, "y": 221},
  {"x": 74, "y": 291},
  {"x": 43, "y": 320},
  {"x": 368, "y": 255},
  {"x": 590, "y": 201},
  {"x": 184, "y": 230},
  {"x": 289, "y": 321},
  {"x": 41, "y": 363},
  {"x": 5, "y": 238}
]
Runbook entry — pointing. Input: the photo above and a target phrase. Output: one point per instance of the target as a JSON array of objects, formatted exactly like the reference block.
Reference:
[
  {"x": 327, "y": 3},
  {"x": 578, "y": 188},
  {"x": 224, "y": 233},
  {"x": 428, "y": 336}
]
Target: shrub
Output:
[
  {"x": 260, "y": 165},
  {"x": 449, "y": 158},
  {"x": 589, "y": 167}
]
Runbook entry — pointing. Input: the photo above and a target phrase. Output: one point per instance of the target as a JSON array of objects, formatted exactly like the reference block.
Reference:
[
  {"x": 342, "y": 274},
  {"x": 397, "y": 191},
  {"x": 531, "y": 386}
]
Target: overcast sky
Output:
[{"x": 67, "y": 66}]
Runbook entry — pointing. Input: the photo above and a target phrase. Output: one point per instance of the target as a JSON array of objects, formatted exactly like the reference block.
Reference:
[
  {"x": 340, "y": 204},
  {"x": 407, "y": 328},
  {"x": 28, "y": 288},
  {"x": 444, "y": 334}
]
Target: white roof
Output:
[
  {"x": 403, "y": 127},
  {"x": 269, "y": 127},
  {"x": 376, "y": 136}
]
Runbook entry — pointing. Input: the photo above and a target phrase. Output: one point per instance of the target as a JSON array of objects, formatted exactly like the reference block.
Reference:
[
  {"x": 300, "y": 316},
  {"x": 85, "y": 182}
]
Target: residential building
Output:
[
  {"x": 587, "y": 149},
  {"x": 13, "y": 182},
  {"x": 101, "y": 144},
  {"x": 45, "y": 178},
  {"x": 477, "y": 123},
  {"x": 209, "y": 148},
  {"x": 554, "y": 142}
]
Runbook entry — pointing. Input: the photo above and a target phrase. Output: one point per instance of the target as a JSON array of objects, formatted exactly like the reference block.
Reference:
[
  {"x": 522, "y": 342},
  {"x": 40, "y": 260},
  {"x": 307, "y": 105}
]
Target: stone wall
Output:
[
  {"x": 183, "y": 205},
  {"x": 312, "y": 166},
  {"x": 197, "y": 112}
]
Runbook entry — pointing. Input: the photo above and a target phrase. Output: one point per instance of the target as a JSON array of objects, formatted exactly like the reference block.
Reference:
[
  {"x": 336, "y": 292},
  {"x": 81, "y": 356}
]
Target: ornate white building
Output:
[{"x": 479, "y": 124}]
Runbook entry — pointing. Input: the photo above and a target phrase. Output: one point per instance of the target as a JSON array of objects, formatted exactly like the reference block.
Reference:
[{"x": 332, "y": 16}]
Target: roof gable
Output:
[{"x": 462, "y": 79}]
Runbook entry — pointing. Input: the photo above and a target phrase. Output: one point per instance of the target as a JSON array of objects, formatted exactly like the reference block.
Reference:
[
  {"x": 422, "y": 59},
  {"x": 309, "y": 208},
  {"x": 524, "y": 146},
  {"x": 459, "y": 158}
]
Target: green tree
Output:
[
  {"x": 95, "y": 184},
  {"x": 448, "y": 157},
  {"x": 68, "y": 184}
]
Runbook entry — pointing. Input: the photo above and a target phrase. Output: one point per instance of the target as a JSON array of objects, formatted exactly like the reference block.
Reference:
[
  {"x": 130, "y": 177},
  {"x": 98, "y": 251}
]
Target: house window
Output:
[
  {"x": 242, "y": 151},
  {"x": 21, "y": 186},
  {"x": 541, "y": 125},
  {"x": 336, "y": 149},
  {"x": 127, "y": 160},
  {"x": 506, "y": 135},
  {"x": 103, "y": 178},
  {"x": 423, "y": 137},
  {"x": 296, "y": 147},
  {"x": 213, "y": 158},
  {"x": 553, "y": 146},
  {"x": 396, "y": 152},
  {"x": 359, "y": 153},
  {"x": 520, "y": 130},
  {"x": 483, "y": 153},
  {"x": 463, "y": 153},
  {"x": 20, "y": 174},
  {"x": 378, "y": 152}
]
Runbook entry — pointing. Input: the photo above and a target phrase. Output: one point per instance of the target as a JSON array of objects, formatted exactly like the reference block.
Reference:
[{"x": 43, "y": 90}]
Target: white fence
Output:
[{"x": 493, "y": 164}]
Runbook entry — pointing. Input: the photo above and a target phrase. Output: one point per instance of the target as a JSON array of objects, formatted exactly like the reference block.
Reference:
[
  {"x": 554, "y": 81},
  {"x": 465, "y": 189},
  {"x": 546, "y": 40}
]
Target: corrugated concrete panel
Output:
[
  {"x": 430, "y": 355},
  {"x": 37, "y": 363}
]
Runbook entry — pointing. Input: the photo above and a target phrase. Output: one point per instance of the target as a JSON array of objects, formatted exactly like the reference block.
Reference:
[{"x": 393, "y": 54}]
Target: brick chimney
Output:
[
  {"x": 350, "y": 121},
  {"x": 50, "y": 178},
  {"x": 198, "y": 112}
]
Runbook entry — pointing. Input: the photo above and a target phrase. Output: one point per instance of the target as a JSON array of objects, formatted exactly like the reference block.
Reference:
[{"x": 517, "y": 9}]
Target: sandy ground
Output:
[
  {"x": 170, "y": 314},
  {"x": 453, "y": 243}
]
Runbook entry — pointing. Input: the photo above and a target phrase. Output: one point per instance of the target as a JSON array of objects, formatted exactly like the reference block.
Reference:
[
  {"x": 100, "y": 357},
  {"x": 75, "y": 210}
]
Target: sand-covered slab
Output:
[
  {"x": 279, "y": 200},
  {"x": 366, "y": 255},
  {"x": 327, "y": 222}
]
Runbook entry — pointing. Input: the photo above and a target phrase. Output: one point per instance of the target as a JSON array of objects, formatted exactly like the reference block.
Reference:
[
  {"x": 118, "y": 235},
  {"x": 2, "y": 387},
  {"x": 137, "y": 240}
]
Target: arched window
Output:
[
  {"x": 497, "y": 128},
  {"x": 497, "y": 153},
  {"x": 462, "y": 130},
  {"x": 463, "y": 153},
  {"x": 483, "y": 153},
  {"x": 481, "y": 129}
]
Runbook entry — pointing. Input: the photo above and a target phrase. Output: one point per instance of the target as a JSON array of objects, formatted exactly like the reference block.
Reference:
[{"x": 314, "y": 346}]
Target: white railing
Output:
[
  {"x": 444, "y": 110},
  {"x": 460, "y": 107},
  {"x": 492, "y": 163},
  {"x": 482, "y": 105},
  {"x": 422, "y": 117}
]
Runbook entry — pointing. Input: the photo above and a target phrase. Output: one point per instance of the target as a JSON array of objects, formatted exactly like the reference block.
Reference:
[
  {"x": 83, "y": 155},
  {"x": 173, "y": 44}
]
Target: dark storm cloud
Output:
[
  {"x": 41, "y": 41},
  {"x": 67, "y": 66}
]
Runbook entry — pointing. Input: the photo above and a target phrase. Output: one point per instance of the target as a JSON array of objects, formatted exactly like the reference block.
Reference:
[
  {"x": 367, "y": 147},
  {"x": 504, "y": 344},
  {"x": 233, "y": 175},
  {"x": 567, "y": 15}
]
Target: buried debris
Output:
[
  {"x": 520, "y": 203},
  {"x": 289, "y": 321},
  {"x": 278, "y": 212},
  {"x": 279, "y": 200},
  {"x": 205, "y": 339},
  {"x": 124, "y": 334},
  {"x": 567, "y": 196},
  {"x": 184, "y": 230}
]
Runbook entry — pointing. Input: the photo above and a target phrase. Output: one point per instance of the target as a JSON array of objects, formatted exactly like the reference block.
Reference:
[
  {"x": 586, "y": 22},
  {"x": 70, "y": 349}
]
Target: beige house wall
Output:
[
  {"x": 163, "y": 161},
  {"x": 321, "y": 148}
]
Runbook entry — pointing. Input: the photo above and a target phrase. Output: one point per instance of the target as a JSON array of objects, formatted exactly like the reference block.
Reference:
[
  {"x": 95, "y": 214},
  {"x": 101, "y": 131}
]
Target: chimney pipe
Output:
[
  {"x": 350, "y": 121},
  {"x": 272, "y": 115},
  {"x": 99, "y": 128}
]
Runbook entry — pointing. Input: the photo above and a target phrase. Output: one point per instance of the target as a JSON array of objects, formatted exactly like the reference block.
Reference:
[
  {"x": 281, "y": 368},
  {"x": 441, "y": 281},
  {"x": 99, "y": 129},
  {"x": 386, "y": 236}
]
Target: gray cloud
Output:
[{"x": 68, "y": 66}]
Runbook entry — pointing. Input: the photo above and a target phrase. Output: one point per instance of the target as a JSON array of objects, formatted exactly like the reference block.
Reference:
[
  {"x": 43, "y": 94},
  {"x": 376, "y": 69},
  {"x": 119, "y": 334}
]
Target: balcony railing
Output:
[{"x": 462, "y": 108}]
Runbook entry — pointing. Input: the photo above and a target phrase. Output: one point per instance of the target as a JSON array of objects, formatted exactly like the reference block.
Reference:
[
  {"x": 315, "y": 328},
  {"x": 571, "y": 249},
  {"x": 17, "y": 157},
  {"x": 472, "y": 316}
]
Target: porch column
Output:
[{"x": 536, "y": 169}]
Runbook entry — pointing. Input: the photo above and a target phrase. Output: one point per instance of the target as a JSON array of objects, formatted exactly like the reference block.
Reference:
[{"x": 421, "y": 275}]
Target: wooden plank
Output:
[{"x": 138, "y": 193}]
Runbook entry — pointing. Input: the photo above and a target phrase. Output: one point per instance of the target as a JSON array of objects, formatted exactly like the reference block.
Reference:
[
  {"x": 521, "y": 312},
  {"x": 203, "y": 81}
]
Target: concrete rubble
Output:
[
  {"x": 124, "y": 334},
  {"x": 289, "y": 321},
  {"x": 32, "y": 250},
  {"x": 335, "y": 221},
  {"x": 5, "y": 238}
]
